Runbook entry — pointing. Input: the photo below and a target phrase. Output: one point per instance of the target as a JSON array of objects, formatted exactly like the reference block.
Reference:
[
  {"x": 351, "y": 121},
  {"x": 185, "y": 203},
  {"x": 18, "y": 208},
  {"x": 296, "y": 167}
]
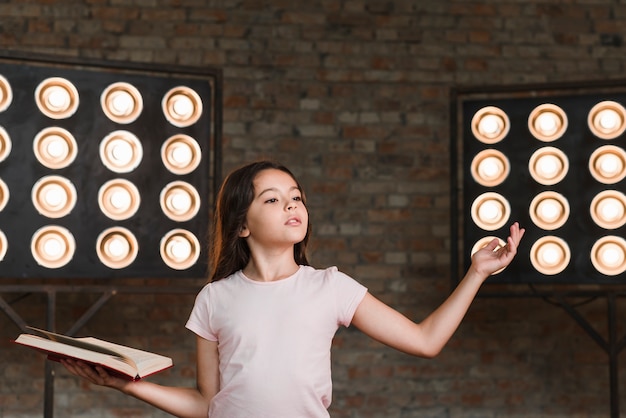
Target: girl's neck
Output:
[{"x": 264, "y": 272}]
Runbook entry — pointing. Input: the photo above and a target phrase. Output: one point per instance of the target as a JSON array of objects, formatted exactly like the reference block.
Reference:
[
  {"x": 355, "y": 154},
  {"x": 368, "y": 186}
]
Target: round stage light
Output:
[
  {"x": 607, "y": 164},
  {"x": 55, "y": 147},
  {"x": 54, "y": 196},
  {"x": 608, "y": 255},
  {"x": 5, "y": 144},
  {"x": 549, "y": 210},
  {"x": 550, "y": 255},
  {"x": 547, "y": 122},
  {"x": 490, "y": 125},
  {"x": 608, "y": 209},
  {"x": 119, "y": 199},
  {"x": 180, "y": 249},
  {"x": 121, "y": 102},
  {"x": 121, "y": 151},
  {"x": 490, "y": 211},
  {"x": 6, "y": 94},
  {"x": 182, "y": 106},
  {"x": 52, "y": 246},
  {"x": 117, "y": 247},
  {"x": 56, "y": 98},
  {"x": 180, "y": 201},
  {"x": 4, "y": 195},
  {"x": 4, "y": 245},
  {"x": 181, "y": 154},
  {"x": 607, "y": 119},
  {"x": 490, "y": 167},
  {"x": 481, "y": 243},
  {"x": 548, "y": 165}
]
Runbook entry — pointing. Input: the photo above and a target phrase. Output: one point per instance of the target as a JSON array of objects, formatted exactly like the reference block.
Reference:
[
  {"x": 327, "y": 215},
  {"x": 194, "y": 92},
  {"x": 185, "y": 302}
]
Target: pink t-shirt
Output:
[{"x": 274, "y": 340}]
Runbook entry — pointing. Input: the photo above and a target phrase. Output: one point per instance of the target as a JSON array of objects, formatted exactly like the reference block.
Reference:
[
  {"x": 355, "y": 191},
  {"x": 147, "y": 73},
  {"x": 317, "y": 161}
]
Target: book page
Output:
[{"x": 57, "y": 350}]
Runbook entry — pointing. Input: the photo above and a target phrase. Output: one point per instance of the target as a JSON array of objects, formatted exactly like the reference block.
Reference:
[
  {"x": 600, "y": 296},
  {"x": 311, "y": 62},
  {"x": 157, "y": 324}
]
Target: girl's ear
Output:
[{"x": 244, "y": 232}]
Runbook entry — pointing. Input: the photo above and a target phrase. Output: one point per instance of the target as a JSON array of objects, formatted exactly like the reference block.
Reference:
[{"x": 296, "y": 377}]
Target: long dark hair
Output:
[{"x": 228, "y": 251}]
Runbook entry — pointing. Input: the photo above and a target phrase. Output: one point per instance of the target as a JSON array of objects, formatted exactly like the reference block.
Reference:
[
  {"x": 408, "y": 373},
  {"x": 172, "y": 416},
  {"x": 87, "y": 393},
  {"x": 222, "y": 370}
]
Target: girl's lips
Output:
[{"x": 293, "y": 221}]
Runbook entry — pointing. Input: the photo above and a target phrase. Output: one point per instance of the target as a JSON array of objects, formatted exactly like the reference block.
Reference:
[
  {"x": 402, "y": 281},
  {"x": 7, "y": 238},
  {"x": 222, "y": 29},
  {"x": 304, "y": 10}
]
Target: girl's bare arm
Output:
[
  {"x": 181, "y": 402},
  {"x": 426, "y": 339}
]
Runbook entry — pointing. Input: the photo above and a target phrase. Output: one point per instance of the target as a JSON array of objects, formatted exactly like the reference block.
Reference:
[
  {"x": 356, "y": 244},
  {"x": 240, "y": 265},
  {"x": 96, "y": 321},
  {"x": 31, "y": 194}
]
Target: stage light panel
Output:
[
  {"x": 548, "y": 165},
  {"x": 608, "y": 255},
  {"x": 607, "y": 119},
  {"x": 179, "y": 249},
  {"x": 54, "y": 196},
  {"x": 180, "y": 201},
  {"x": 119, "y": 199},
  {"x": 608, "y": 209},
  {"x": 121, "y": 102},
  {"x": 117, "y": 247},
  {"x": 111, "y": 160},
  {"x": 55, "y": 147},
  {"x": 555, "y": 162},
  {"x": 5, "y": 144},
  {"x": 3, "y": 245},
  {"x": 6, "y": 93},
  {"x": 4, "y": 195},
  {"x": 490, "y": 167},
  {"x": 182, "y": 106},
  {"x": 550, "y": 255},
  {"x": 607, "y": 164},
  {"x": 181, "y": 154},
  {"x": 490, "y": 211},
  {"x": 57, "y": 98},
  {"x": 547, "y": 122},
  {"x": 53, "y": 246},
  {"x": 549, "y": 210},
  {"x": 121, "y": 151}
]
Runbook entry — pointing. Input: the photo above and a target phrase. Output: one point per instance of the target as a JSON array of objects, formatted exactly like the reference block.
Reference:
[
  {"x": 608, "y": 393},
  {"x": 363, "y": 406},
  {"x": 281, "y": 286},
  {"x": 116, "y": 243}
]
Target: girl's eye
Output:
[
  {"x": 297, "y": 198},
  {"x": 272, "y": 200}
]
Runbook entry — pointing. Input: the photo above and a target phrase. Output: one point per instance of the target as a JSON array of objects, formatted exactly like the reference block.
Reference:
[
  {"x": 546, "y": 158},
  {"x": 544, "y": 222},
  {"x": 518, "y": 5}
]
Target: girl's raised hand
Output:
[{"x": 490, "y": 258}]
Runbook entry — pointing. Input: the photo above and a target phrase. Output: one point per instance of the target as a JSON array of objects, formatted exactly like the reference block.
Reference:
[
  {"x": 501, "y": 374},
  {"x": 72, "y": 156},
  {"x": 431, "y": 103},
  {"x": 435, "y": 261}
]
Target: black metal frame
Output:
[
  {"x": 109, "y": 288},
  {"x": 559, "y": 293}
]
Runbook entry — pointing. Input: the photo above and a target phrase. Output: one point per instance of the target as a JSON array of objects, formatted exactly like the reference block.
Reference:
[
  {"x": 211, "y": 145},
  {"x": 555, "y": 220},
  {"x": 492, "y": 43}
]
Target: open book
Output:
[{"x": 126, "y": 362}]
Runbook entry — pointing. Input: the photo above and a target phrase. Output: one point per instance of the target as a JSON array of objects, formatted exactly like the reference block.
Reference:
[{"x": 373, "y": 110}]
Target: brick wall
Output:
[{"x": 353, "y": 96}]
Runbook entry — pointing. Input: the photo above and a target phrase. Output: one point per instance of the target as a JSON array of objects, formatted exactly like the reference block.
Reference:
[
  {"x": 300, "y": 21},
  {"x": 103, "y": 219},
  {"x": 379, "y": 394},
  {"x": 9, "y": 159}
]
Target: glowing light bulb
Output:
[
  {"x": 180, "y": 248},
  {"x": 549, "y": 166},
  {"x": 54, "y": 195},
  {"x": 122, "y": 103},
  {"x": 57, "y": 147},
  {"x": 58, "y": 98},
  {"x": 117, "y": 247},
  {"x": 549, "y": 210},
  {"x": 490, "y": 125},
  {"x": 121, "y": 151},
  {"x": 550, "y": 254},
  {"x": 489, "y": 211},
  {"x": 120, "y": 198},
  {"x": 547, "y": 123},
  {"x": 182, "y": 106},
  {"x": 53, "y": 247},
  {"x": 608, "y": 119},
  {"x": 181, "y": 154}
]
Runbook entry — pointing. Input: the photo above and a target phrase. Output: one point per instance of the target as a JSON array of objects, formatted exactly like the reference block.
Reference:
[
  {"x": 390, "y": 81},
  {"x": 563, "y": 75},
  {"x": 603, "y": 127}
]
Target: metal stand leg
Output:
[{"x": 612, "y": 347}]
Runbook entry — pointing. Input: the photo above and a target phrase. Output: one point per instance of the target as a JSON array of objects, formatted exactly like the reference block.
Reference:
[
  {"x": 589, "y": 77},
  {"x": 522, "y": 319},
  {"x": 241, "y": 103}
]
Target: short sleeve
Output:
[
  {"x": 348, "y": 295},
  {"x": 199, "y": 319}
]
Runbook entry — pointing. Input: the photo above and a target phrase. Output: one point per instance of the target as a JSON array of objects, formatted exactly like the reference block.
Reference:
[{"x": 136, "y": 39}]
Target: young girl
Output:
[{"x": 266, "y": 320}]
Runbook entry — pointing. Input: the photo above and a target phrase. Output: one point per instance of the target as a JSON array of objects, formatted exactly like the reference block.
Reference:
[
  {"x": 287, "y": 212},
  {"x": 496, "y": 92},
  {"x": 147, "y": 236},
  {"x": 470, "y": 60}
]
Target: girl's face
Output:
[{"x": 277, "y": 216}]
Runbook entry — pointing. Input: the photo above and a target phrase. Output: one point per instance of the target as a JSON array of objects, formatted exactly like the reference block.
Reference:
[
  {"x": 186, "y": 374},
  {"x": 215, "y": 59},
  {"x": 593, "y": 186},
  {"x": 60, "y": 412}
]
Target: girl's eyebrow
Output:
[{"x": 274, "y": 189}]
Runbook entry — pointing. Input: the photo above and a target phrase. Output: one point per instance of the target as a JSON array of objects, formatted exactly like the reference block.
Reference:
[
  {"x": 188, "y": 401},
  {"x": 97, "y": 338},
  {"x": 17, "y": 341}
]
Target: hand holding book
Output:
[{"x": 118, "y": 360}]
